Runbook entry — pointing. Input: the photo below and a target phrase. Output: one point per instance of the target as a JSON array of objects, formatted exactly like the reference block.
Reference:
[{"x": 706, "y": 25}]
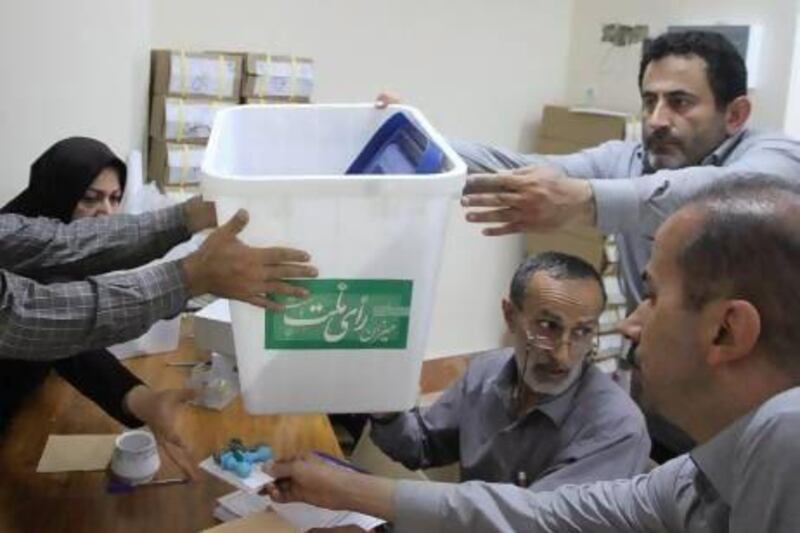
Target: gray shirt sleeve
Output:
[
  {"x": 425, "y": 438},
  {"x": 654, "y": 502},
  {"x": 41, "y": 322},
  {"x": 616, "y": 455},
  {"x": 39, "y": 247},
  {"x": 642, "y": 204},
  {"x": 596, "y": 162}
]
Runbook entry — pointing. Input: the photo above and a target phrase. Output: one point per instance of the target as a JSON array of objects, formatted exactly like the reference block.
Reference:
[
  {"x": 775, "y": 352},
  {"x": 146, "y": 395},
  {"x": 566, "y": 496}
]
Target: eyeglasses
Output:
[{"x": 550, "y": 339}]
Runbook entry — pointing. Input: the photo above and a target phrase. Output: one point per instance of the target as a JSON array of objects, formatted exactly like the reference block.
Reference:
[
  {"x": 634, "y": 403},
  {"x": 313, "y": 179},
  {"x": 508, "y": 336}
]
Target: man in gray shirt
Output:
[
  {"x": 538, "y": 414},
  {"x": 694, "y": 112},
  {"x": 719, "y": 350}
]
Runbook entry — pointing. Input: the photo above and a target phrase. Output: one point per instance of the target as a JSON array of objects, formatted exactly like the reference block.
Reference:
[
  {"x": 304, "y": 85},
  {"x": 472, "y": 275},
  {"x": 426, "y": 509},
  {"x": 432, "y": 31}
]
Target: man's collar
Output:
[
  {"x": 716, "y": 458},
  {"x": 718, "y": 156},
  {"x": 556, "y": 408}
]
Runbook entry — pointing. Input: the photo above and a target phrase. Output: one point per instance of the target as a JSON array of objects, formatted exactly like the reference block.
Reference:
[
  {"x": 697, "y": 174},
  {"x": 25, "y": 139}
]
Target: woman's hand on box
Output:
[{"x": 226, "y": 267}]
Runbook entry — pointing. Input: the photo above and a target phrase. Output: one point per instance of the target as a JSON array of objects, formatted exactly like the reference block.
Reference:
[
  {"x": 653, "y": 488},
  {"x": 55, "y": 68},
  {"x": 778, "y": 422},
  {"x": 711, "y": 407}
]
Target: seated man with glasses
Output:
[{"x": 538, "y": 414}]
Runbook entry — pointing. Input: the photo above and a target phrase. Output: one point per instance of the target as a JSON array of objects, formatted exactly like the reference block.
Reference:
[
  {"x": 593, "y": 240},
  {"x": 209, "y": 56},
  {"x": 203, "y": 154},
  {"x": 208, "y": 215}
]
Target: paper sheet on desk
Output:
[
  {"x": 252, "y": 483},
  {"x": 76, "y": 453},
  {"x": 242, "y": 503},
  {"x": 266, "y": 521},
  {"x": 305, "y": 517}
]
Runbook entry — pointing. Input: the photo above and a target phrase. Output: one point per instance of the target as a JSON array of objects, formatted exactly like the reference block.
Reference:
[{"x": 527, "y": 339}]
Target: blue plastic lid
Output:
[{"x": 398, "y": 147}]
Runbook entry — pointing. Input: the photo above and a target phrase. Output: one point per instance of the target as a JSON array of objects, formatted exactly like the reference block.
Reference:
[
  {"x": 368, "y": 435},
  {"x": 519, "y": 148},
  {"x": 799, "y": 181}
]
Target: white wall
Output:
[
  {"x": 612, "y": 72},
  {"x": 791, "y": 124},
  {"x": 477, "y": 70},
  {"x": 69, "y": 68}
]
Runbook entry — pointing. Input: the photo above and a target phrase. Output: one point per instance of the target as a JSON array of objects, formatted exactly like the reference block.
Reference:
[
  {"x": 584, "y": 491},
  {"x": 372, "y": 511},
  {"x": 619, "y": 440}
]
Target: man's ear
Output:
[
  {"x": 736, "y": 114},
  {"x": 738, "y": 328},
  {"x": 509, "y": 313}
]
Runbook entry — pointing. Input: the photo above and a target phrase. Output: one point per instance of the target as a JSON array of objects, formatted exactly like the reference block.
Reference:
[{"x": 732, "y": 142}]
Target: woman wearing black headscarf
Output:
[{"x": 75, "y": 178}]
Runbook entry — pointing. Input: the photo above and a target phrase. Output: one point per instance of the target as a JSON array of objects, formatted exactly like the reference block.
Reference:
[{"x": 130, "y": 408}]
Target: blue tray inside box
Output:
[{"x": 398, "y": 147}]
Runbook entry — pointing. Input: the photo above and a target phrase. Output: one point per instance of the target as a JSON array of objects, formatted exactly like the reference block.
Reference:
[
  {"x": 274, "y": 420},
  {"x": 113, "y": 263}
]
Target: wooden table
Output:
[
  {"x": 77, "y": 501},
  {"x": 438, "y": 374}
]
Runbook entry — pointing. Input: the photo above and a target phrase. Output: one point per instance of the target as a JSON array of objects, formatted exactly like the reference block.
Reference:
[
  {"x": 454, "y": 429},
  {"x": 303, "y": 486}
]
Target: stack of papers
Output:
[
  {"x": 246, "y": 502},
  {"x": 301, "y": 516},
  {"x": 305, "y": 517}
]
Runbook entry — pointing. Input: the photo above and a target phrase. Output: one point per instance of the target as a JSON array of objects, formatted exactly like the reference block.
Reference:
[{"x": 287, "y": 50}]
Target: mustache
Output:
[{"x": 660, "y": 136}]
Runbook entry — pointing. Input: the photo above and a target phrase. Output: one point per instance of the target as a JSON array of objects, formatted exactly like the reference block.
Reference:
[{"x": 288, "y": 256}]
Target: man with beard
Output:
[
  {"x": 538, "y": 414},
  {"x": 694, "y": 109},
  {"x": 719, "y": 349}
]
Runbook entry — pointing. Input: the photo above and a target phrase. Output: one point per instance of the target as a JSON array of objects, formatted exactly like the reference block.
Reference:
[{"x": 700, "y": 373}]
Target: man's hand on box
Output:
[
  {"x": 529, "y": 199},
  {"x": 226, "y": 267}
]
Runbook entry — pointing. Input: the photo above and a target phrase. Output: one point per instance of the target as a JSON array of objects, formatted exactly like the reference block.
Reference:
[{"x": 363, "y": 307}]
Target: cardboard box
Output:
[
  {"x": 173, "y": 163},
  {"x": 278, "y": 76},
  {"x": 565, "y": 131},
  {"x": 184, "y": 119},
  {"x": 260, "y": 64},
  {"x": 212, "y": 328},
  {"x": 276, "y": 100},
  {"x": 208, "y": 74}
]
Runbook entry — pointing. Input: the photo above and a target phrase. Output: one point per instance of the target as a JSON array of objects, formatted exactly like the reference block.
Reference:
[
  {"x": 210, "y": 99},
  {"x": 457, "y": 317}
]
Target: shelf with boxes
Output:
[
  {"x": 188, "y": 89},
  {"x": 612, "y": 346}
]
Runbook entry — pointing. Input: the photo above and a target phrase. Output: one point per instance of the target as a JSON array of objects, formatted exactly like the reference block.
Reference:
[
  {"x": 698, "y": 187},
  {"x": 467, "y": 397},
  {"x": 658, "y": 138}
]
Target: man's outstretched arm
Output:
[
  {"x": 43, "y": 247},
  {"x": 39, "y": 322}
]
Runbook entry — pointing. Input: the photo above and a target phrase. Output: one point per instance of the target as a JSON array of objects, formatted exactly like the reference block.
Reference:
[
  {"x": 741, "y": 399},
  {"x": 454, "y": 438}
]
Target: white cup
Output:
[{"x": 135, "y": 459}]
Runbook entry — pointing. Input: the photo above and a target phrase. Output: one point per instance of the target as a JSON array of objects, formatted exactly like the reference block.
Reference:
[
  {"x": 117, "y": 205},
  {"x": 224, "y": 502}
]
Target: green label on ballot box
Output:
[{"x": 347, "y": 314}]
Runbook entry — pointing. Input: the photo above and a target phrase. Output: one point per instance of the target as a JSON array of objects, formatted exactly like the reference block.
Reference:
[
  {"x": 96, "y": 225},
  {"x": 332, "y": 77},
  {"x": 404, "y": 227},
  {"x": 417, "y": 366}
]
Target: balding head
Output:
[{"x": 746, "y": 245}]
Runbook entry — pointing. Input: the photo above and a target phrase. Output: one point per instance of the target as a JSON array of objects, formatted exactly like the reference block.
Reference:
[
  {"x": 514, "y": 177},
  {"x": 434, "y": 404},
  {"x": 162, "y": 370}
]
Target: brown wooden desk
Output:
[
  {"x": 78, "y": 502},
  {"x": 438, "y": 374}
]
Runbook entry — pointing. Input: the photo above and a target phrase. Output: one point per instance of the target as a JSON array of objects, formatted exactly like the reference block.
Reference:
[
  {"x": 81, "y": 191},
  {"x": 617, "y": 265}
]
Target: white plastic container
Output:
[{"x": 285, "y": 164}]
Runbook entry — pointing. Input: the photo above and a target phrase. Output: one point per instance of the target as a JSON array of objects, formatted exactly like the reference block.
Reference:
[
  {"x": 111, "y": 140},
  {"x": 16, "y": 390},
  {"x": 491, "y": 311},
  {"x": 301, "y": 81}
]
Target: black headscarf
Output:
[{"x": 60, "y": 177}]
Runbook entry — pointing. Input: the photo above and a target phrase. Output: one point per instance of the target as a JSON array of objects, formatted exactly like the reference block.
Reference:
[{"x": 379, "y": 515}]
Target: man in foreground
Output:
[{"x": 718, "y": 347}]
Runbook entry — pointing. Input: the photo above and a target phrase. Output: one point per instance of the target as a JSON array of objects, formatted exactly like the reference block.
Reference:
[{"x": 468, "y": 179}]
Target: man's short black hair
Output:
[
  {"x": 556, "y": 265},
  {"x": 725, "y": 68},
  {"x": 748, "y": 247}
]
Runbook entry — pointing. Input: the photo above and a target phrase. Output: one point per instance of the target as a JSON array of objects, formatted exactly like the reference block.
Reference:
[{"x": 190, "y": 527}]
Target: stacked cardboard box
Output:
[
  {"x": 278, "y": 78},
  {"x": 188, "y": 89},
  {"x": 566, "y": 130}
]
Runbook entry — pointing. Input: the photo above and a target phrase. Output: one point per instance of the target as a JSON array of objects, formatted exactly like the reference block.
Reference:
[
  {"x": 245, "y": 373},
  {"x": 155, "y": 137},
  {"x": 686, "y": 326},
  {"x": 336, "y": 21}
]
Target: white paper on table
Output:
[
  {"x": 224, "y": 515},
  {"x": 304, "y": 517},
  {"x": 243, "y": 503},
  {"x": 256, "y": 481}
]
